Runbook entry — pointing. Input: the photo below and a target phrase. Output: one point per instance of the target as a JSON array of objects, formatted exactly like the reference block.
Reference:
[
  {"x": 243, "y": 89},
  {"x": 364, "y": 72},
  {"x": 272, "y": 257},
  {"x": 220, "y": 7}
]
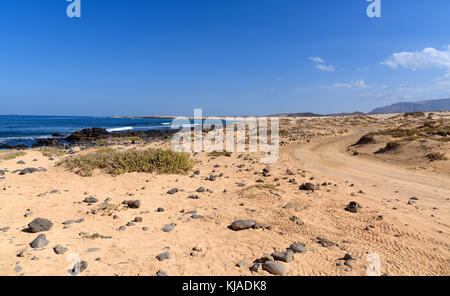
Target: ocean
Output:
[{"x": 15, "y": 130}]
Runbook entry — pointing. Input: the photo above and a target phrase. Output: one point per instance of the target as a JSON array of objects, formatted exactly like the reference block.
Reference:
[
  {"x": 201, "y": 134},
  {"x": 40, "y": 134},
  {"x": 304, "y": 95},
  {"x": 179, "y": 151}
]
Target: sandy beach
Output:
[{"x": 402, "y": 212}]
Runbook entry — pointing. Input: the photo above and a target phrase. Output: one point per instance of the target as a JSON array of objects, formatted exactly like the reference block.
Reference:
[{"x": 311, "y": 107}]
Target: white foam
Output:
[{"x": 120, "y": 129}]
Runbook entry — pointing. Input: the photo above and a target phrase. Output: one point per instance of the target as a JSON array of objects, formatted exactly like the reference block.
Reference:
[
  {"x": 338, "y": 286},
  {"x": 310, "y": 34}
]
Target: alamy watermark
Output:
[
  {"x": 74, "y": 8},
  {"x": 231, "y": 134},
  {"x": 374, "y": 8}
]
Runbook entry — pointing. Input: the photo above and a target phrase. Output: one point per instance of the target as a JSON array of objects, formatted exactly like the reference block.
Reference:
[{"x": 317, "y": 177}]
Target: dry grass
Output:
[
  {"x": 161, "y": 161},
  {"x": 51, "y": 152},
  {"x": 12, "y": 155},
  {"x": 220, "y": 153},
  {"x": 436, "y": 156}
]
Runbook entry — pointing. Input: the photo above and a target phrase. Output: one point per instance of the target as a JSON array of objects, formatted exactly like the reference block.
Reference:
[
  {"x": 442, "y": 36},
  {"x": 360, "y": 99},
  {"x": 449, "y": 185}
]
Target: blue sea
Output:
[{"x": 15, "y": 130}]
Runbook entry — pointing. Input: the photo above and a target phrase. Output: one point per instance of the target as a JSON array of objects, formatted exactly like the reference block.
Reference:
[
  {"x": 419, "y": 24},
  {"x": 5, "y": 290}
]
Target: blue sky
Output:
[{"x": 229, "y": 57}]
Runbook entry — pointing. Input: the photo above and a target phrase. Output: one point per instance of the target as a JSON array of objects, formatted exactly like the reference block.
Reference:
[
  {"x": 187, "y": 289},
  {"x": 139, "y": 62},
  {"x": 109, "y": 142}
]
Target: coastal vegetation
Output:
[{"x": 160, "y": 161}]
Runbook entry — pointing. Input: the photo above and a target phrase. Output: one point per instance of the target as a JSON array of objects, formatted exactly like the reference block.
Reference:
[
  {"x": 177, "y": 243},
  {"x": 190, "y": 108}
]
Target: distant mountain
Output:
[{"x": 423, "y": 106}]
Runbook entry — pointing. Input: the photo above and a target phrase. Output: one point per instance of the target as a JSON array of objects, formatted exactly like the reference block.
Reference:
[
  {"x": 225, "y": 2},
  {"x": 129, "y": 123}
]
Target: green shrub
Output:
[{"x": 160, "y": 161}]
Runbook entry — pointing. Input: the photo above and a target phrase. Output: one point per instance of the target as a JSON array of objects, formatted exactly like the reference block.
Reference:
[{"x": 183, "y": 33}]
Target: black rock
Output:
[
  {"x": 39, "y": 242},
  {"x": 201, "y": 189},
  {"x": 353, "y": 207},
  {"x": 60, "y": 250},
  {"x": 274, "y": 268},
  {"x": 242, "y": 224},
  {"x": 88, "y": 135},
  {"x": 79, "y": 267},
  {"x": 307, "y": 187},
  {"x": 163, "y": 256},
  {"x": 172, "y": 191},
  {"x": 134, "y": 204},
  {"x": 298, "y": 248},
  {"x": 39, "y": 225},
  {"x": 287, "y": 256},
  {"x": 90, "y": 199},
  {"x": 27, "y": 171},
  {"x": 169, "y": 227},
  {"x": 324, "y": 242}
]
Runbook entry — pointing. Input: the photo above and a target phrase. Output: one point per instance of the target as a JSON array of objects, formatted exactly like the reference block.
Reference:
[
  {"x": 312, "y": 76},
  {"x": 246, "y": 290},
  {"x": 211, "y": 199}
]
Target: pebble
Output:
[
  {"x": 274, "y": 268},
  {"x": 40, "y": 225},
  {"x": 163, "y": 256},
  {"x": 169, "y": 227},
  {"x": 242, "y": 224},
  {"x": 39, "y": 242}
]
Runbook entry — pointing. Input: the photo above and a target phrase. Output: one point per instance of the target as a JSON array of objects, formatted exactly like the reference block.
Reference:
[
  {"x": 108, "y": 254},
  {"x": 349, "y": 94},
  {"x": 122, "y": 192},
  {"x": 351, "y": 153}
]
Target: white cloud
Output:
[
  {"x": 361, "y": 84},
  {"x": 321, "y": 64},
  {"x": 428, "y": 58},
  {"x": 326, "y": 68},
  {"x": 318, "y": 60}
]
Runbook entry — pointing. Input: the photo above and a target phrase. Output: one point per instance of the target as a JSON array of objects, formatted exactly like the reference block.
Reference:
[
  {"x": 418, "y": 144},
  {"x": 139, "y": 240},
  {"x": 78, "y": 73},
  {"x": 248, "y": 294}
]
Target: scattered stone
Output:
[
  {"x": 298, "y": 248},
  {"x": 201, "y": 189},
  {"x": 39, "y": 242},
  {"x": 68, "y": 222},
  {"x": 40, "y": 225},
  {"x": 90, "y": 200},
  {"x": 160, "y": 210},
  {"x": 255, "y": 267},
  {"x": 134, "y": 204},
  {"x": 172, "y": 191},
  {"x": 274, "y": 268},
  {"x": 349, "y": 257},
  {"x": 161, "y": 273},
  {"x": 169, "y": 227},
  {"x": 307, "y": 187},
  {"x": 242, "y": 224},
  {"x": 240, "y": 264},
  {"x": 193, "y": 196},
  {"x": 60, "y": 250},
  {"x": 79, "y": 267},
  {"x": 324, "y": 242},
  {"x": 353, "y": 207},
  {"x": 138, "y": 219},
  {"x": 163, "y": 256},
  {"x": 287, "y": 256}
]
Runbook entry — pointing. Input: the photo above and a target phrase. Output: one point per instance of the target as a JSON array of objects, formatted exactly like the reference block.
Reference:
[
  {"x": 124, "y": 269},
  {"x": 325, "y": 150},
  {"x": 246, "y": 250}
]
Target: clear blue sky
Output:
[{"x": 229, "y": 57}]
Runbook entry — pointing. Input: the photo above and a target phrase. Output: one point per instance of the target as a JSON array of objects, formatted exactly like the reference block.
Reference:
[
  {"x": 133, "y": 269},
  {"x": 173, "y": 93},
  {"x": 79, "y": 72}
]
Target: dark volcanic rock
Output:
[
  {"x": 134, "y": 204},
  {"x": 169, "y": 227},
  {"x": 39, "y": 242},
  {"x": 28, "y": 171},
  {"x": 353, "y": 207},
  {"x": 307, "y": 187},
  {"x": 88, "y": 135},
  {"x": 47, "y": 142},
  {"x": 274, "y": 268},
  {"x": 242, "y": 224},
  {"x": 39, "y": 225},
  {"x": 324, "y": 242},
  {"x": 298, "y": 248},
  {"x": 60, "y": 250},
  {"x": 90, "y": 199},
  {"x": 172, "y": 191},
  {"x": 287, "y": 256},
  {"x": 163, "y": 256}
]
